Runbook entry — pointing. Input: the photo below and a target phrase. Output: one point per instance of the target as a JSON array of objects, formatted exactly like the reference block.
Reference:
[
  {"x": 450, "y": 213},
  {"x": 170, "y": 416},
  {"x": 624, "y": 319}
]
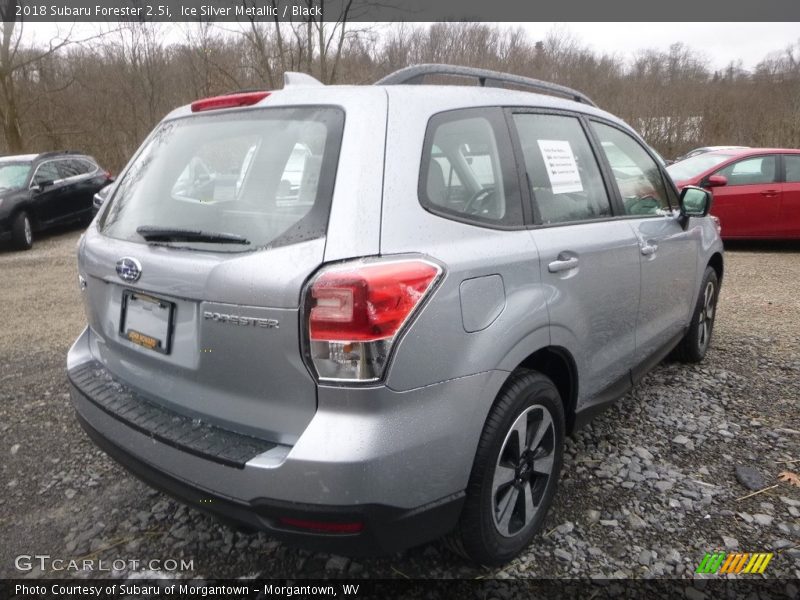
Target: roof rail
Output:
[{"x": 486, "y": 78}]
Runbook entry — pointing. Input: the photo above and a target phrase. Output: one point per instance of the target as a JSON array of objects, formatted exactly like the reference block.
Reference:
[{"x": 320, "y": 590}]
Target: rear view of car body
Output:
[
  {"x": 316, "y": 355},
  {"x": 330, "y": 460}
]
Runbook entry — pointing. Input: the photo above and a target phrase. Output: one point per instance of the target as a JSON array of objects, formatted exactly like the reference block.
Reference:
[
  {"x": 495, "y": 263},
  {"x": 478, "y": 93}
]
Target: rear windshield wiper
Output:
[{"x": 171, "y": 234}]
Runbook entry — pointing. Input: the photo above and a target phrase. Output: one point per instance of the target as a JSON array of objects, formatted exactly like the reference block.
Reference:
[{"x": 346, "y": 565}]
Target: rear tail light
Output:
[
  {"x": 357, "y": 311},
  {"x": 228, "y": 101}
]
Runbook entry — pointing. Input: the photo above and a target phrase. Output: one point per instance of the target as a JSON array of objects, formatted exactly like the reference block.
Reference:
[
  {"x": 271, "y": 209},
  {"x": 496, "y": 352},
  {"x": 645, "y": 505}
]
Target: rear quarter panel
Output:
[{"x": 438, "y": 345}]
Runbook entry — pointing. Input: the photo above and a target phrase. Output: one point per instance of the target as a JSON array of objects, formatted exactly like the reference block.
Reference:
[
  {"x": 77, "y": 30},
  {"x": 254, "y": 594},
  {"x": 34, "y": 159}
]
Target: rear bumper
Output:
[
  {"x": 385, "y": 529},
  {"x": 396, "y": 462}
]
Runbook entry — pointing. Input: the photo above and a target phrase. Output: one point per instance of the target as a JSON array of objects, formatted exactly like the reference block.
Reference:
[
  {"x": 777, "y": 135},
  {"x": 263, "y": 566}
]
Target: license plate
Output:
[{"x": 146, "y": 321}]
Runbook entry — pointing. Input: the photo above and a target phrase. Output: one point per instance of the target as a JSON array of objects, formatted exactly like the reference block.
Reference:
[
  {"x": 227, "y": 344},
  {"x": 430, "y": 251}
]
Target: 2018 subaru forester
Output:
[{"x": 362, "y": 317}]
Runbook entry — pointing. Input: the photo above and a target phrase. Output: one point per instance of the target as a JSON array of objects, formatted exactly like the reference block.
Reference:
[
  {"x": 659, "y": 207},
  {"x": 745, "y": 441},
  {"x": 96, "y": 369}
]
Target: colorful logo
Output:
[{"x": 736, "y": 562}]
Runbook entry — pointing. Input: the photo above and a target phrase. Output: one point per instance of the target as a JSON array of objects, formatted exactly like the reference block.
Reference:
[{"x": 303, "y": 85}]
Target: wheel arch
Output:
[
  {"x": 716, "y": 263},
  {"x": 27, "y": 208},
  {"x": 558, "y": 364},
  {"x": 479, "y": 542}
]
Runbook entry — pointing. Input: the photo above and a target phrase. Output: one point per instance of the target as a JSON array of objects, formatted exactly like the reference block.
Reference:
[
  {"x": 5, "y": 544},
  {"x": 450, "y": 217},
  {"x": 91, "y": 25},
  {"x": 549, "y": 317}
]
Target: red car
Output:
[{"x": 756, "y": 190}]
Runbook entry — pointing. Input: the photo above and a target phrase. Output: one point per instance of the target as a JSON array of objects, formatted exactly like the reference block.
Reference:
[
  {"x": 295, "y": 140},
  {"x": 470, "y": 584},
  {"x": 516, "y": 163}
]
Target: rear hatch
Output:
[{"x": 195, "y": 268}]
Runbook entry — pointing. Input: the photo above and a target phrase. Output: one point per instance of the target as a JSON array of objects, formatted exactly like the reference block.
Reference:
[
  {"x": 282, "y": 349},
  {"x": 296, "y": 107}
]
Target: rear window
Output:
[{"x": 265, "y": 176}]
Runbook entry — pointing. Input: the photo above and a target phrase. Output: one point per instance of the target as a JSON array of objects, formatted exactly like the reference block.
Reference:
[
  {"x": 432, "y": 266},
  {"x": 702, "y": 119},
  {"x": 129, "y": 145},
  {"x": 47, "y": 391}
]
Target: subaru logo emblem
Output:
[{"x": 129, "y": 269}]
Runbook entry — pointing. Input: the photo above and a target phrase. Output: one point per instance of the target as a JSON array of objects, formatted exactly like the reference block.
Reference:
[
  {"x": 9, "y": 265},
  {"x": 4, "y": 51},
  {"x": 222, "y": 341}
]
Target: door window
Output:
[
  {"x": 638, "y": 176},
  {"x": 792, "y": 162},
  {"x": 47, "y": 172},
  {"x": 562, "y": 172},
  {"x": 750, "y": 171}
]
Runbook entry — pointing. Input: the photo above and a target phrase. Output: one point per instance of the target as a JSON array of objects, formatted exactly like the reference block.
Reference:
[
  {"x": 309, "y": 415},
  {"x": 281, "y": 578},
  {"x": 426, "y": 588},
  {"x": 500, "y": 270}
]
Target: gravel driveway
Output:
[{"x": 647, "y": 489}]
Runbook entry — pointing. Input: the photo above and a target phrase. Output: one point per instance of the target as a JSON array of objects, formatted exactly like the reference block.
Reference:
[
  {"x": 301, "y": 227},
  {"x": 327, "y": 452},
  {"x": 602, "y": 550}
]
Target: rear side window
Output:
[
  {"x": 563, "y": 175},
  {"x": 72, "y": 167},
  {"x": 468, "y": 170},
  {"x": 638, "y": 176},
  {"x": 67, "y": 168},
  {"x": 263, "y": 175},
  {"x": 751, "y": 171},
  {"x": 85, "y": 166}
]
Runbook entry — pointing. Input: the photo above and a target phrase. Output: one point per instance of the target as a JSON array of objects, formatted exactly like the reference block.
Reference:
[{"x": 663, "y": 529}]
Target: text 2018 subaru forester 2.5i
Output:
[{"x": 363, "y": 317}]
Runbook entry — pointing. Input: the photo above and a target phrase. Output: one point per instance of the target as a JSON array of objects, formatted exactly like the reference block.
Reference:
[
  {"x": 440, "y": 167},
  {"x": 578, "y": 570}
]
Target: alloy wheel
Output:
[
  {"x": 523, "y": 470},
  {"x": 706, "y": 317}
]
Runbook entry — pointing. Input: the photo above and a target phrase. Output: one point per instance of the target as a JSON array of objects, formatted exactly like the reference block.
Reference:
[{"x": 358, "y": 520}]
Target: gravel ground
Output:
[{"x": 647, "y": 488}]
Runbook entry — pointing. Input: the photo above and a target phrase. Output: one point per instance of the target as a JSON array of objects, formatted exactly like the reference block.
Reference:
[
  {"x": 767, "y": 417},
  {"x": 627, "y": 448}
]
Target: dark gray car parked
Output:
[
  {"x": 40, "y": 191},
  {"x": 363, "y": 317}
]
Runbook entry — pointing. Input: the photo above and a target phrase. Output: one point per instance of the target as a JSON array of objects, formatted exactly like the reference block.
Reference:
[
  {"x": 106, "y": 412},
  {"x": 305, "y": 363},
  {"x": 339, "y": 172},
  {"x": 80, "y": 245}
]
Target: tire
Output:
[
  {"x": 694, "y": 345},
  {"x": 508, "y": 495},
  {"x": 22, "y": 232}
]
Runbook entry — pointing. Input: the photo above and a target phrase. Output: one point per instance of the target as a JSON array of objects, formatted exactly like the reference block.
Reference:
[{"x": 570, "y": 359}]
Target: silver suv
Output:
[{"x": 363, "y": 317}]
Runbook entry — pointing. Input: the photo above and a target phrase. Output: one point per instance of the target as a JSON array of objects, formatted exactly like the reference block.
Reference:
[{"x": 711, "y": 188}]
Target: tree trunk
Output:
[{"x": 11, "y": 129}]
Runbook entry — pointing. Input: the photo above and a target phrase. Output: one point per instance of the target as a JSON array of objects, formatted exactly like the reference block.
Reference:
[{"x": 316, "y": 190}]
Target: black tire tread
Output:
[
  {"x": 465, "y": 540},
  {"x": 18, "y": 232},
  {"x": 686, "y": 350}
]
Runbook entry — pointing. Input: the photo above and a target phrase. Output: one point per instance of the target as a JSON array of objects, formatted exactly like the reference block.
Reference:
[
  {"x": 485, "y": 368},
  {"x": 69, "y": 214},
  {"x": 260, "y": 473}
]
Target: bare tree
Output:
[
  {"x": 314, "y": 43},
  {"x": 105, "y": 94},
  {"x": 210, "y": 69},
  {"x": 16, "y": 64}
]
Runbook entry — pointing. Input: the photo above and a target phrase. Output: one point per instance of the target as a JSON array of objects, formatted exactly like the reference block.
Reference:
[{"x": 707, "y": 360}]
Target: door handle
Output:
[
  {"x": 769, "y": 193},
  {"x": 563, "y": 265},
  {"x": 648, "y": 248}
]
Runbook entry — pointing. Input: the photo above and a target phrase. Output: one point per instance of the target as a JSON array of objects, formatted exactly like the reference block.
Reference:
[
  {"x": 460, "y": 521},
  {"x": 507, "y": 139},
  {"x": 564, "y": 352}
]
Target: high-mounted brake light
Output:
[
  {"x": 357, "y": 311},
  {"x": 228, "y": 101}
]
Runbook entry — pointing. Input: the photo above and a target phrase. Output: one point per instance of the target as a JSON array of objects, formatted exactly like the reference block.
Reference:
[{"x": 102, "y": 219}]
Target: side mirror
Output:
[
  {"x": 695, "y": 202},
  {"x": 716, "y": 181},
  {"x": 100, "y": 197},
  {"x": 42, "y": 185}
]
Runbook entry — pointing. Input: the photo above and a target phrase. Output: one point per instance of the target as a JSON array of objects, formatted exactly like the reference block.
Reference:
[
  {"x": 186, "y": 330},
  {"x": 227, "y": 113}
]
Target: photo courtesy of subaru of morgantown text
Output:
[{"x": 296, "y": 327}]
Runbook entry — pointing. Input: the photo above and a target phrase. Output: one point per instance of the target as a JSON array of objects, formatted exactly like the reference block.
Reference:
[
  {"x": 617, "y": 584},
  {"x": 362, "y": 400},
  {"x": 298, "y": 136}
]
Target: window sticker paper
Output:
[{"x": 561, "y": 166}]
